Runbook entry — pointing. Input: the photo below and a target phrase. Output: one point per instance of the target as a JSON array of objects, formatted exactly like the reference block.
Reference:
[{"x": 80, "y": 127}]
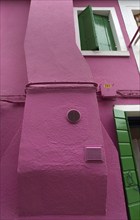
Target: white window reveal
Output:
[
  {"x": 129, "y": 9},
  {"x": 98, "y": 32}
]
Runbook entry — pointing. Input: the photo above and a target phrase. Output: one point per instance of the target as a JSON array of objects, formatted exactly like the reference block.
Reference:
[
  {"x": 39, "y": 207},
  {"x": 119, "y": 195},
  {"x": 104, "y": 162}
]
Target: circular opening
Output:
[{"x": 73, "y": 116}]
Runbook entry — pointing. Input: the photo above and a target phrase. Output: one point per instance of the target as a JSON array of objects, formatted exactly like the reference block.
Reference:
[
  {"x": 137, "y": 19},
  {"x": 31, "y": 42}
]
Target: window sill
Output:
[{"x": 106, "y": 53}]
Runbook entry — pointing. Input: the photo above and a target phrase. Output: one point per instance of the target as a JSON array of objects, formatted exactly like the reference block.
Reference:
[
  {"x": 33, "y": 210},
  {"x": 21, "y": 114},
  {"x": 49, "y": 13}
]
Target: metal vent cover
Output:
[{"x": 73, "y": 116}]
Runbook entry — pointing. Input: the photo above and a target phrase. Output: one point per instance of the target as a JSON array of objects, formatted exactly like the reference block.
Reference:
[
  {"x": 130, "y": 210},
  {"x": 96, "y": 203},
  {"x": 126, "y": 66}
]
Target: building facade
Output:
[{"x": 70, "y": 110}]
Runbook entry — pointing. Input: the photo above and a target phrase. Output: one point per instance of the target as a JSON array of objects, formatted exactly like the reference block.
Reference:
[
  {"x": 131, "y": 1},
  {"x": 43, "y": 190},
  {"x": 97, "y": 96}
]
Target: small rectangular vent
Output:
[{"x": 93, "y": 154}]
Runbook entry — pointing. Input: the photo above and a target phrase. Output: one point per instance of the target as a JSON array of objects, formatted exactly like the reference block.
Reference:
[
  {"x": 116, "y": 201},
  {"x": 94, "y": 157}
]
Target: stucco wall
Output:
[
  {"x": 61, "y": 62},
  {"x": 52, "y": 56},
  {"x": 121, "y": 71}
]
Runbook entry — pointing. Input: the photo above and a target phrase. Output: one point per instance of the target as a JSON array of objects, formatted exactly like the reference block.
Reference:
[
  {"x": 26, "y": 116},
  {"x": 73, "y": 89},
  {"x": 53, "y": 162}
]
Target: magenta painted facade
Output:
[{"x": 44, "y": 174}]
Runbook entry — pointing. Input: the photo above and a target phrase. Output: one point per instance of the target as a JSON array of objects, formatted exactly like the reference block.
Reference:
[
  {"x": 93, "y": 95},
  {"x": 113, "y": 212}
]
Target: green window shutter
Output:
[
  {"x": 119, "y": 113},
  {"x": 129, "y": 172},
  {"x": 87, "y": 30},
  {"x": 104, "y": 33},
  {"x": 134, "y": 211}
]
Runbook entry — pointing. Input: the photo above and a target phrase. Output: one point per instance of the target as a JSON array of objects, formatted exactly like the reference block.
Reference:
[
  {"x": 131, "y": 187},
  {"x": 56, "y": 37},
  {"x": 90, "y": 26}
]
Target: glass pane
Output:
[{"x": 137, "y": 18}]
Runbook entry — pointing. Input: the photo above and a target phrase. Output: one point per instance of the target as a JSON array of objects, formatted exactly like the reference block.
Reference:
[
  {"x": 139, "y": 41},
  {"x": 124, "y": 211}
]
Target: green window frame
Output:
[
  {"x": 95, "y": 31},
  {"x": 128, "y": 165}
]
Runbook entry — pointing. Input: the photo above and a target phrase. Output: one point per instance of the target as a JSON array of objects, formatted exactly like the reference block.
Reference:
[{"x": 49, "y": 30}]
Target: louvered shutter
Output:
[
  {"x": 129, "y": 171},
  {"x": 87, "y": 30},
  {"x": 104, "y": 33}
]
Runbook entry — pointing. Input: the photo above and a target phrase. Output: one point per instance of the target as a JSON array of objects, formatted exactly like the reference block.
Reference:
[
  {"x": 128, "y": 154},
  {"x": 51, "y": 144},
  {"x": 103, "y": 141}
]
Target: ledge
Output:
[{"x": 106, "y": 53}]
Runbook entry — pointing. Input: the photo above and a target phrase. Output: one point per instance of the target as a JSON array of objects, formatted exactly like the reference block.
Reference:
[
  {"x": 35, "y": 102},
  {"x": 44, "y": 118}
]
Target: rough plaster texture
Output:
[
  {"x": 10, "y": 130},
  {"x": 52, "y": 156},
  {"x": 10, "y": 121},
  {"x": 14, "y": 77},
  {"x": 52, "y": 150},
  {"x": 8, "y": 188},
  {"x": 14, "y": 16},
  {"x": 50, "y": 48}
]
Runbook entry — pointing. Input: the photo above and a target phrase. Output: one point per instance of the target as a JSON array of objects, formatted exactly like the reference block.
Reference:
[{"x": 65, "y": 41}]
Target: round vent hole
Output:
[{"x": 73, "y": 116}]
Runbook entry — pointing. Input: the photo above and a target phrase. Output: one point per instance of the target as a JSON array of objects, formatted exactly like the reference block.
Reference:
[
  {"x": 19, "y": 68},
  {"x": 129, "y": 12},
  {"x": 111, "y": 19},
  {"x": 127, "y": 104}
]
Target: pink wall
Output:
[
  {"x": 52, "y": 155},
  {"x": 51, "y": 52},
  {"x": 49, "y": 144},
  {"x": 122, "y": 71},
  {"x": 51, "y": 55},
  {"x": 14, "y": 16}
]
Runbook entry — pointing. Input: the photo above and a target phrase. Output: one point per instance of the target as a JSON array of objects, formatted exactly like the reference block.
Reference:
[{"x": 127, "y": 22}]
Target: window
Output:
[
  {"x": 129, "y": 9},
  {"x": 98, "y": 32},
  {"x": 137, "y": 18},
  {"x": 95, "y": 31}
]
